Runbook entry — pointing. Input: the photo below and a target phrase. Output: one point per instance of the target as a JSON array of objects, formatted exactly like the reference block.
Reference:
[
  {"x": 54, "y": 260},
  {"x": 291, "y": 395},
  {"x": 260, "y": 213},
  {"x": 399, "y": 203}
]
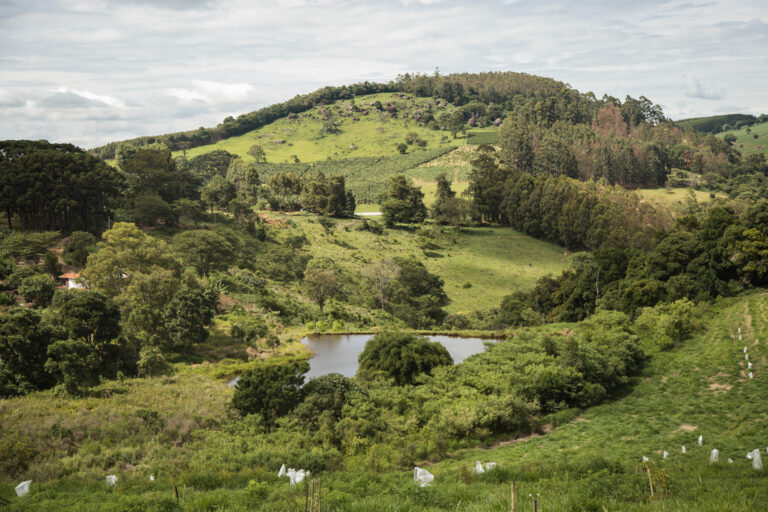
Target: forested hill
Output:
[{"x": 538, "y": 98}]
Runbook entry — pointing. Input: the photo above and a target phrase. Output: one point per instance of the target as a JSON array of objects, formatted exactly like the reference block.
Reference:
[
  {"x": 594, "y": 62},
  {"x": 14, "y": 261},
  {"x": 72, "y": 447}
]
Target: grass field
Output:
[
  {"x": 374, "y": 134},
  {"x": 495, "y": 261},
  {"x": 747, "y": 142},
  {"x": 589, "y": 460},
  {"x": 674, "y": 198}
]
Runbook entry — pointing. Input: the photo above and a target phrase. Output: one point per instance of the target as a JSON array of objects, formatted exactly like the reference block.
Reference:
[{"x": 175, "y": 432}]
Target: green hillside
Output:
[
  {"x": 750, "y": 139},
  {"x": 360, "y": 130}
]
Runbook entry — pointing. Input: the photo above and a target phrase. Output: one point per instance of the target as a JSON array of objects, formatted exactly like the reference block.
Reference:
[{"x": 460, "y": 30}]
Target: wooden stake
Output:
[
  {"x": 650, "y": 480},
  {"x": 176, "y": 492},
  {"x": 319, "y": 494},
  {"x": 306, "y": 496},
  {"x": 535, "y": 505},
  {"x": 512, "y": 503},
  {"x": 312, "y": 500}
]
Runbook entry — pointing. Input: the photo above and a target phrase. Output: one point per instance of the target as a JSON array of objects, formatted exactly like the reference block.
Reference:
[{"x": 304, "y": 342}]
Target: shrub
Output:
[
  {"x": 402, "y": 356},
  {"x": 270, "y": 390}
]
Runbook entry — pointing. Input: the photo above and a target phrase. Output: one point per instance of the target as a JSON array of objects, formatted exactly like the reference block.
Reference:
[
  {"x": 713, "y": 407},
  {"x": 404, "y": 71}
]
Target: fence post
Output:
[
  {"x": 650, "y": 481},
  {"x": 512, "y": 504}
]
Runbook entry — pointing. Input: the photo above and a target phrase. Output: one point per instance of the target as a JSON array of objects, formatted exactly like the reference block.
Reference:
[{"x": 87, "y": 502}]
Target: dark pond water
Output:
[{"x": 337, "y": 353}]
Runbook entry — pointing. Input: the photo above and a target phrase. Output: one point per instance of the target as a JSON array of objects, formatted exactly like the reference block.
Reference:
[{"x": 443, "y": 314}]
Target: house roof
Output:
[{"x": 69, "y": 275}]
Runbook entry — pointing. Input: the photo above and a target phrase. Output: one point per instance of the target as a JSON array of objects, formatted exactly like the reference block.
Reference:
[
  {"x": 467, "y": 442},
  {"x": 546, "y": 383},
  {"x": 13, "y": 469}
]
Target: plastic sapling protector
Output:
[
  {"x": 757, "y": 461},
  {"x": 645, "y": 459},
  {"x": 422, "y": 477},
  {"x": 730, "y": 460},
  {"x": 745, "y": 349},
  {"x": 715, "y": 455},
  {"x": 296, "y": 477},
  {"x": 739, "y": 337},
  {"x": 665, "y": 454},
  {"x": 282, "y": 471},
  {"x": 746, "y": 357},
  {"x": 739, "y": 330},
  {"x": 701, "y": 440},
  {"x": 23, "y": 488},
  {"x": 749, "y": 365},
  {"x": 750, "y": 375},
  {"x": 111, "y": 480},
  {"x": 151, "y": 478},
  {"x": 749, "y": 455},
  {"x": 478, "y": 468},
  {"x": 683, "y": 448},
  {"x": 490, "y": 465}
]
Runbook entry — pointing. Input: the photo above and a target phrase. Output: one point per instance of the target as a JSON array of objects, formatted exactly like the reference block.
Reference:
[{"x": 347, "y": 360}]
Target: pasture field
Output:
[
  {"x": 746, "y": 142},
  {"x": 580, "y": 459},
  {"x": 675, "y": 198},
  {"x": 375, "y": 133},
  {"x": 495, "y": 261}
]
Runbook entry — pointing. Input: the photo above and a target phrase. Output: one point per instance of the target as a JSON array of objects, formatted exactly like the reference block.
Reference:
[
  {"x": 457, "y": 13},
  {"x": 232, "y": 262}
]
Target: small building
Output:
[{"x": 70, "y": 281}]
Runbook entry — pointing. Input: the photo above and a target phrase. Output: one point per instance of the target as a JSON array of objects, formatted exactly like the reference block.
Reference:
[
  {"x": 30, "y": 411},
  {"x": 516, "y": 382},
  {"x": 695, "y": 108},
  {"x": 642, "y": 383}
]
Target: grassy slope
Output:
[
  {"x": 746, "y": 142},
  {"x": 589, "y": 463},
  {"x": 374, "y": 134},
  {"x": 674, "y": 198},
  {"x": 496, "y": 261}
]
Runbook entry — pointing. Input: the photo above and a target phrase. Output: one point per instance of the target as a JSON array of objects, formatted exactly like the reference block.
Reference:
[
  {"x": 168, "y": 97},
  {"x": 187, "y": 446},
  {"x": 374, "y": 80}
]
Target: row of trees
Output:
[{"x": 558, "y": 209}]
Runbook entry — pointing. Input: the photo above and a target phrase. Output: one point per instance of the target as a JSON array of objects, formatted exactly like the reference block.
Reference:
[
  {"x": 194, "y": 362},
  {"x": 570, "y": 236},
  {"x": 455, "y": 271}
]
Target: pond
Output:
[{"x": 337, "y": 353}]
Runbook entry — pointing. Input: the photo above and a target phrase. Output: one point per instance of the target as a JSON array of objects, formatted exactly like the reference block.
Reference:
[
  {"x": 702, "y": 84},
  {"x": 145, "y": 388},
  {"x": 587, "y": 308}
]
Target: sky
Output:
[{"x": 94, "y": 71}]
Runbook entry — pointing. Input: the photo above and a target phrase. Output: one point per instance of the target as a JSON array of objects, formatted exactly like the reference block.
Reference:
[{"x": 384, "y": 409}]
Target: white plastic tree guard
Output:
[
  {"x": 422, "y": 476},
  {"x": 757, "y": 461},
  {"x": 645, "y": 459},
  {"x": 714, "y": 456},
  {"x": 683, "y": 448},
  {"x": 23, "y": 488},
  {"x": 111, "y": 480},
  {"x": 701, "y": 440},
  {"x": 665, "y": 454},
  {"x": 490, "y": 465},
  {"x": 296, "y": 477},
  {"x": 282, "y": 471},
  {"x": 478, "y": 467}
]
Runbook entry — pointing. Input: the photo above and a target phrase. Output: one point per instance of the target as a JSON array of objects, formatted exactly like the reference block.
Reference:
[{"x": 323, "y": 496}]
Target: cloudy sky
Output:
[{"x": 93, "y": 71}]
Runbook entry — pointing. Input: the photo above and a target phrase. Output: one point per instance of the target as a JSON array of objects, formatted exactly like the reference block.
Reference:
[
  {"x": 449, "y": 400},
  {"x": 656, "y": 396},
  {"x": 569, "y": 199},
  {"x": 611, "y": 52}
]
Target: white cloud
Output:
[
  {"x": 694, "y": 89},
  {"x": 91, "y": 71}
]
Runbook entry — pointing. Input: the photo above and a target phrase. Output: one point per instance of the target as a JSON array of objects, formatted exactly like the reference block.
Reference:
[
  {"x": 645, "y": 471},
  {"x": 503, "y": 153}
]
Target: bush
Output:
[
  {"x": 6, "y": 299},
  {"x": 270, "y": 390},
  {"x": 401, "y": 356}
]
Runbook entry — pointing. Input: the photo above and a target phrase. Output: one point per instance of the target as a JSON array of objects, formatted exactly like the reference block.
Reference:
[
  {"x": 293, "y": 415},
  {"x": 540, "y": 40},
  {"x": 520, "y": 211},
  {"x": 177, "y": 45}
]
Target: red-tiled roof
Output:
[{"x": 69, "y": 275}]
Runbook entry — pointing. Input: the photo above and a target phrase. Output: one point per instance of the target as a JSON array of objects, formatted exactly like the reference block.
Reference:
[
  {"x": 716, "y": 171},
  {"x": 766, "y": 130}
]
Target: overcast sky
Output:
[{"x": 94, "y": 71}]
